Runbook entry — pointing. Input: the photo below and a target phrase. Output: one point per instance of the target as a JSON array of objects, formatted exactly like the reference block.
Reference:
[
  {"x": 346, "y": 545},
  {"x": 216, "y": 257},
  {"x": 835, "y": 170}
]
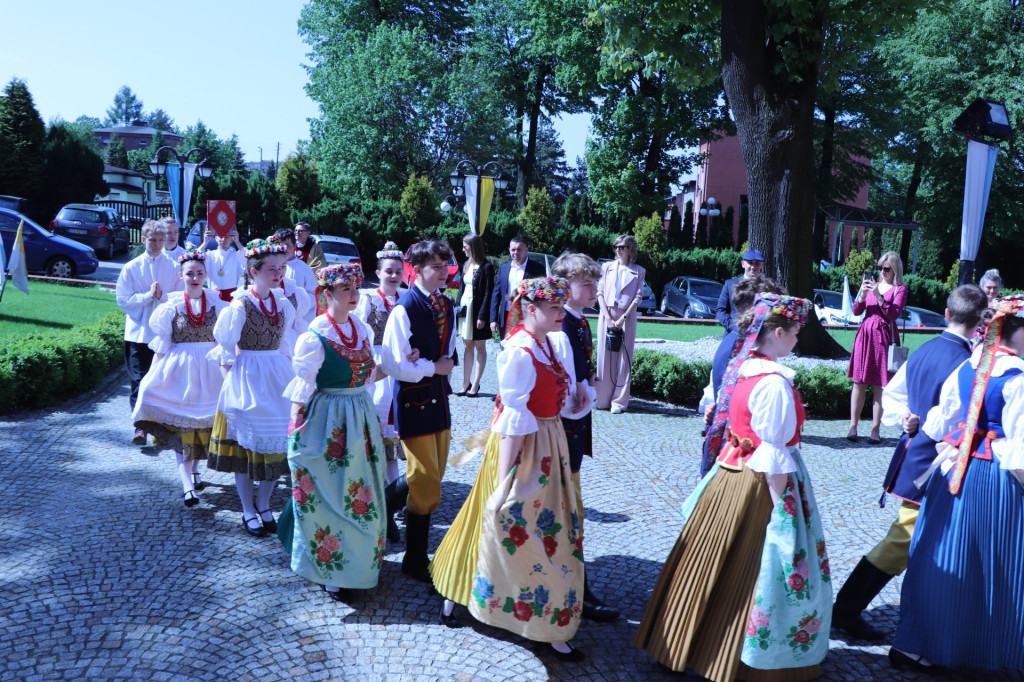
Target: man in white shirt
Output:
[
  {"x": 296, "y": 269},
  {"x": 172, "y": 249},
  {"x": 509, "y": 276},
  {"x": 142, "y": 285}
]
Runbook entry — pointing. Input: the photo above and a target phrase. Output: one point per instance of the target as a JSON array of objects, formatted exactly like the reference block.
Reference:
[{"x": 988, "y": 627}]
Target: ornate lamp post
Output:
[
  {"x": 158, "y": 168},
  {"x": 458, "y": 181}
]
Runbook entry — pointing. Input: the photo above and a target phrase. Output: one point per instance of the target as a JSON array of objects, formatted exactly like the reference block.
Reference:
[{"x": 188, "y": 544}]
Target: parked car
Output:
[
  {"x": 691, "y": 297},
  {"x": 919, "y": 317},
  {"x": 544, "y": 259},
  {"x": 23, "y": 206},
  {"x": 829, "y": 307},
  {"x": 454, "y": 271},
  {"x": 648, "y": 304},
  {"x": 195, "y": 237},
  {"x": 339, "y": 250},
  {"x": 46, "y": 252},
  {"x": 100, "y": 227}
]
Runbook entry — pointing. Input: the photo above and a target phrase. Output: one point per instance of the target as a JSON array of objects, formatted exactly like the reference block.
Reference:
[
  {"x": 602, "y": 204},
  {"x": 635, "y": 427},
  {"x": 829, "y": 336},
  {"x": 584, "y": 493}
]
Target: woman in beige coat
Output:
[{"x": 618, "y": 295}]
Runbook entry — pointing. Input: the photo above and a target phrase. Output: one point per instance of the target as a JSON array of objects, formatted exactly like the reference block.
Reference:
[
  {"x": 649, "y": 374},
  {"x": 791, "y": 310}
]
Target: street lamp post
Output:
[
  {"x": 158, "y": 168},
  {"x": 458, "y": 180}
]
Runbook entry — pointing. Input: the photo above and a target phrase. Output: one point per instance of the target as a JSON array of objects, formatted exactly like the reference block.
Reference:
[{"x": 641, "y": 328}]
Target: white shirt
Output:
[
  {"x": 515, "y": 276},
  {"x": 230, "y": 322},
  {"x": 162, "y": 318},
  {"x": 309, "y": 355},
  {"x": 396, "y": 347},
  {"x": 133, "y": 295},
  {"x": 175, "y": 252},
  {"x": 772, "y": 416},
  {"x": 225, "y": 269},
  {"x": 302, "y": 274},
  {"x": 895, "y": 400}
]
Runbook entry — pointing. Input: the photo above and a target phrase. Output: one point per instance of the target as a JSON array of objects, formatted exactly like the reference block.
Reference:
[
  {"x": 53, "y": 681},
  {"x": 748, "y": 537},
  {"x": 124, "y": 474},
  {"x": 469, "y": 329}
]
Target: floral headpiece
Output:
[
  {"x": 1006, "y": 306},
  {"x": 390, "y": 250},
  {"x": 192, "y": 252},
  {"x": 265, "y": 247},
  {"x": 536, "y": 289},
  {"x": 790, "y": 307},
  {"x": 341, "y": 275}
]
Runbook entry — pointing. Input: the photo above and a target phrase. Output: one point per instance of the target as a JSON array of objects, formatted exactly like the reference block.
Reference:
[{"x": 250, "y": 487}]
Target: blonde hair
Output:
[
  {"x": 892, "y": 259},
  {"x": 153, "y": 227},
  {"x": 630, "y": 244},
  {"x": 571, "y": 265}
]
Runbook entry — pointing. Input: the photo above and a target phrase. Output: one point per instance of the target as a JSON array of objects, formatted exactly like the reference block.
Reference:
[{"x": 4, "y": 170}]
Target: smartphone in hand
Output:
[{"x": 869, "y": 276}]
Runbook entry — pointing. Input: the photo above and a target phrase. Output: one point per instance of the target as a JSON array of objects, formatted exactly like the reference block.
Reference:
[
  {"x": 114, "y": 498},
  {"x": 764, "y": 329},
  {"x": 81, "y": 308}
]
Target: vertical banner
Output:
[
  {"x": 981, "y": 162},
  {"x": 486, "y": 191},
  {"x": 17, "y": 264},
  {"x": 173, "y": 184},
  {"x": 3, "y": 268},
  {"x": 220, "y": 216}
]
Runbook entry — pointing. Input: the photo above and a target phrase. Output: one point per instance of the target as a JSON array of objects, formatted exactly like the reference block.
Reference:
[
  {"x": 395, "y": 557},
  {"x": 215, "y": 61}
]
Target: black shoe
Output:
[
  {"x": 899, "y": 660},
  {"x": 853, "y": 623},
  {"x": 259, "y": 532},
  {"x": 197, "y": 481},
  {"x": 269, "y": 526},
  {"x": 339, "y": 595},
  {"x": 415, "y": 562},
  {"x": 464, "y": 391},
  {"x": 393, "y": 533},
  {"x": 595, "y": 609},
  {"x": 874, "y": 441},
  {"x": 449, "y": 621},
  {"x": 190, "y": 498},
  {"x": 139, "y": 438},
  {"x": 473, "y": 392},
  {"x": 860, "y": 588},
  {"x": 853, "y": 439},
  {"x": 395, "y": 495},
  {"x": 574, "y": 655}
]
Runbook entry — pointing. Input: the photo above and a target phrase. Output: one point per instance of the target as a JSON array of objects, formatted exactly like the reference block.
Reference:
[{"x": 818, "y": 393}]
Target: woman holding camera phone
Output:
[
  {"x": 882, "y": 301},
  {"x": 618, "y": 294}
]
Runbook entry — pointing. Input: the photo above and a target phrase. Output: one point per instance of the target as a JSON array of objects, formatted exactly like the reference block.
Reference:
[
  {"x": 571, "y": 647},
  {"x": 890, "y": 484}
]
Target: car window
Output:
[
  {"x": 82, "y": 214},
  {"x": 831, "y": 299},
  {"x": 705, "y": 289},
  {"x": 339, "y": 248}
]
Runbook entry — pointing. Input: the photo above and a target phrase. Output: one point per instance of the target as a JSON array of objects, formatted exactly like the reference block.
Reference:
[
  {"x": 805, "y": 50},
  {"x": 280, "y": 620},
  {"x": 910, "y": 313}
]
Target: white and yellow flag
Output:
[
  {"x": 486, "y": 191},
  {"x": 17, "y": 265}
]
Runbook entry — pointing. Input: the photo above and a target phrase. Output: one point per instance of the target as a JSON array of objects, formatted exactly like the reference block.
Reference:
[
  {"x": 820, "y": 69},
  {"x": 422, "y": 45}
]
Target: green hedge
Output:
[
  {"x": 662, "y": 376},
  {"x": 39, "y": 370}
]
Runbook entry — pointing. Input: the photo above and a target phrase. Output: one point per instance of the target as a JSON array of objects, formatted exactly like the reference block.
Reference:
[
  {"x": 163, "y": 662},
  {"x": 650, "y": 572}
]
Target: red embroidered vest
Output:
[{"x": 740, "y": 440}]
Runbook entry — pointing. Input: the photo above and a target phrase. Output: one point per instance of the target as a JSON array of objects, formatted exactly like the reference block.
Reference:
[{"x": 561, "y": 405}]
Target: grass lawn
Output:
[
  {"x": 49, "y": 307},
  {"x": 691, "y": 332}
]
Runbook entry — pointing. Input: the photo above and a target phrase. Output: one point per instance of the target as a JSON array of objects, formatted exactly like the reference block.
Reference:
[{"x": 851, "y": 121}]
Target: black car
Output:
[
  {"x": 691, "y": 297},
  {"x": 97, "y": 226}
]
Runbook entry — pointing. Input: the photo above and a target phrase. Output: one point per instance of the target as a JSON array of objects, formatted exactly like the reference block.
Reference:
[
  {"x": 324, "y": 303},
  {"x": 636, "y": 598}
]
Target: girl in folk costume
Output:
[
  {"x": 746, "y": 592},
  {"x": 335, "y": 450},
  {"x": 178, "y": 396},
  {"x": 374, "y": 307},
  {"x": 513, "y": 555},
  {"x": 962, "y": 603},
  {"x": 250, "y": 431}
]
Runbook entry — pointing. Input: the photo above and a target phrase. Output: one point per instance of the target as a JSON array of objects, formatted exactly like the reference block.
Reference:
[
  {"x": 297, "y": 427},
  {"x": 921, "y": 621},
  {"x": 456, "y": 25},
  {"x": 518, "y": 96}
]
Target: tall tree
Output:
[
  {"x": 22, "y": 171},
  {"x": 74, "y": 170},
  {"x": 127, "y": 108},
  {"x": 298, "y": 183},
  {"x": 117, "y": 154},
  {"x": 160, "y": 120}
]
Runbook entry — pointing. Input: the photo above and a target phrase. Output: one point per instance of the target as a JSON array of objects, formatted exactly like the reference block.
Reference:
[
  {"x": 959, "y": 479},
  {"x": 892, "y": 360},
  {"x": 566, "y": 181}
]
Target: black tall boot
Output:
[
  {"x": 415, "y": 562},
  {"x": 395, "y": 495},
  {"x": 860, "y": 588},
  {"x": 594, "y": 608}
]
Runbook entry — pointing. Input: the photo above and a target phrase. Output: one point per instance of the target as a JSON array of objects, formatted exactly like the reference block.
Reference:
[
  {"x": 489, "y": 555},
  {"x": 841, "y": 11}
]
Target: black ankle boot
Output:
[
  {"x": 395, "y": 496},
  {"x": 594, "y": 608},
  {"x": 860, "y": 588},
  {"x": 415, "y": 562}
]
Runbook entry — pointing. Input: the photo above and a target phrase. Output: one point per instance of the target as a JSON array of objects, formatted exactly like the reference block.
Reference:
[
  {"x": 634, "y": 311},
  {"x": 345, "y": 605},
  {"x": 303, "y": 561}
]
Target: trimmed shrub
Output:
[
  {"x": 926, "y": 293},
  {"x": 38, "y": 370}
]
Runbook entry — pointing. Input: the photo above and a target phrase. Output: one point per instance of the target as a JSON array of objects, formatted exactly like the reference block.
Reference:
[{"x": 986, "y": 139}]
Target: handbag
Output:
[{"x": 897, "y": 351}]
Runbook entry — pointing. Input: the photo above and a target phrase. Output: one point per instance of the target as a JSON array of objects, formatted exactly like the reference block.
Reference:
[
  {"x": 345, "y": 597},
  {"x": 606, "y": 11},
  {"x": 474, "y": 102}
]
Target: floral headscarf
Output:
[
  {"x": 536, "y": 289},
  {"x": 791, "y": 308},
  {"x": 1008, "y": 306}
]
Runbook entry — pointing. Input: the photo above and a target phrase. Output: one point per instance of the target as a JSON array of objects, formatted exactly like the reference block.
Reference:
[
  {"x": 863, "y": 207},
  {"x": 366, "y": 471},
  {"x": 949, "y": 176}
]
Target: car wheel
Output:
[
  {"x": 686, "y": 311},
  {"x": 664, "y": 305},
  {"x": 109, "y": 253},
  {"x": 61, "y": 266}
]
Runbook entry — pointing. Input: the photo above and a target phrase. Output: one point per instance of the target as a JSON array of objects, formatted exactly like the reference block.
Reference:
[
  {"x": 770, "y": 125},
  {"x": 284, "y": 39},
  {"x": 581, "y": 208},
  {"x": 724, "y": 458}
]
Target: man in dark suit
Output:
[
  {"x": 906, "y": 400},
  {"x": 509, "y": 276},
  {"x": 753, "y": 261}
]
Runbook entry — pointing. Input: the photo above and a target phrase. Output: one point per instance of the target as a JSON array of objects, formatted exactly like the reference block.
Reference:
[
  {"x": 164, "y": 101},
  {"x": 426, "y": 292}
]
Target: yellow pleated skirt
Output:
[{"x": 454, "y": 563}]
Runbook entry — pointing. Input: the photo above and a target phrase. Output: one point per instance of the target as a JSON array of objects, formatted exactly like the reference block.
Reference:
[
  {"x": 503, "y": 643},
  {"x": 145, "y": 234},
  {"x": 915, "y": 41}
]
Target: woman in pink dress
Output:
[{"x": 882, "y": 301}]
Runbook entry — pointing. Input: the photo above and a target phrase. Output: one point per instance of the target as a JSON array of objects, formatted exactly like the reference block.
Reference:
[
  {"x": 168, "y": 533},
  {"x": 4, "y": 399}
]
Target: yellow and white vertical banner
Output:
[
  {"x": 486, "y": 191},
  {"x": 17, "y": 265}
]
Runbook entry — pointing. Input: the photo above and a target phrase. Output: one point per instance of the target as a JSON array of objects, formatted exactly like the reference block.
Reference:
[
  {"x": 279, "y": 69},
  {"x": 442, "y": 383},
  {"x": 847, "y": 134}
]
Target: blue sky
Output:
[{"x": 235, "y": 65}]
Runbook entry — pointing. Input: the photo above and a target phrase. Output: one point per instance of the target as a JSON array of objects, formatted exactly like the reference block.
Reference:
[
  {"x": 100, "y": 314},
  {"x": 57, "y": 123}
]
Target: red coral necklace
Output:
[
  {"x": 199, "y": 320},
  {"x": 271, "y": 314},
  {"x": 387, "y": 306},
  {"x": 347, "y": 341},
  {"x": 548, "y": 353}
]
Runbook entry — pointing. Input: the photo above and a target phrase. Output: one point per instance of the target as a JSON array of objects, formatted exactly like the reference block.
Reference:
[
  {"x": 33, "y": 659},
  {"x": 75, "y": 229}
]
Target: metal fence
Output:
[{"x": 136, "y": 214}]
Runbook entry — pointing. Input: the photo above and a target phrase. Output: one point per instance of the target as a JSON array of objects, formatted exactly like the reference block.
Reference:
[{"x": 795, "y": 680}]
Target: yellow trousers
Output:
[
  {"x": 425, "y": 461},
  {"x": 893, "y": 552}
]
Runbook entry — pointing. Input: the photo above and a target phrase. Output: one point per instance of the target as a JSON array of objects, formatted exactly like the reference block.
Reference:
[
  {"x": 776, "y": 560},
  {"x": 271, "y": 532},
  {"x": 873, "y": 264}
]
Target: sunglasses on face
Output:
[
  {"x": 620, "y": 247},
  {"x": 885, "y": 268}
]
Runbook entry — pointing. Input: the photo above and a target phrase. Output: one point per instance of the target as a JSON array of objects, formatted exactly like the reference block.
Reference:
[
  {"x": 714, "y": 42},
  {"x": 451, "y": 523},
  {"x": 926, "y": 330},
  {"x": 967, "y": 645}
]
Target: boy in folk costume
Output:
[
  {"x": 423, "y": 319},
  {"x": 582, "y": 273},
  {"x": 225, "y": 265}
]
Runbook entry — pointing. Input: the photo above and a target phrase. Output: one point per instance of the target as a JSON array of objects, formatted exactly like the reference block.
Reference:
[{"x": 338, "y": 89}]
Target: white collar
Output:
[
  {"x": 754, "y": 366},
  {"x": 574, "y": 313},
  {"x": 426, "y": 293},
  {"x": 520, "y": 267}
]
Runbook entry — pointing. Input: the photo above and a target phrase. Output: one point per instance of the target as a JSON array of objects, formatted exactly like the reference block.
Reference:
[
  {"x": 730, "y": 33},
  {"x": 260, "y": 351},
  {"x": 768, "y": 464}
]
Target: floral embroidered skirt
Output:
[
  {"x": 529, "y": 572},
  {"x": 455, "y": 560},
  {"x": 746, "y": 591},
  {"x": 337, "y": 466}
]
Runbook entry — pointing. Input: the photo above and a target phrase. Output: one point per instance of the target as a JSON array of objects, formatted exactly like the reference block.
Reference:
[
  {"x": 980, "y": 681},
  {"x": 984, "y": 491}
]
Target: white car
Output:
[
  {"x": 338, "y": 249},
  {"x": 829, "y": 307}
]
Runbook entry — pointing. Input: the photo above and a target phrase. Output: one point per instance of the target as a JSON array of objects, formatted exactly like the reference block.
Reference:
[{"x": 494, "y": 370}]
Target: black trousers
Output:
[{"x": 137, "y": 359}]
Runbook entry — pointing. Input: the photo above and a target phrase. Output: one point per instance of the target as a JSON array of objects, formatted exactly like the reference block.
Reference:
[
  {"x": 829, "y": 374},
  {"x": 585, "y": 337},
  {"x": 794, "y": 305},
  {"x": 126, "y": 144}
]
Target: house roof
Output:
[
  {"x": 124, "y": 171},
  {"x": 135, "y": 130}
]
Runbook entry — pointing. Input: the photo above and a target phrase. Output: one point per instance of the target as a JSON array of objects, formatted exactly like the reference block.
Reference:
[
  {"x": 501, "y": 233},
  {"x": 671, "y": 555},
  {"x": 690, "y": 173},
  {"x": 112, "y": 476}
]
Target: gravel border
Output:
[{"x": 704, "y": 350}]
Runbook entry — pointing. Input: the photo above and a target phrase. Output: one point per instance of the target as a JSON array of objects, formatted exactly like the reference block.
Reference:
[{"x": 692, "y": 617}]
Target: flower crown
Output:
[
  {"x": 265, "y": 247},
  {"x": 790, "y": 307},
  {"x": 1011, "y": 306},
  {"x": 341, "y": 275},
  {"x": 390, "y": 250},
  {"x": 544, "y": 289},
  {"x": 192, "y": 252}
]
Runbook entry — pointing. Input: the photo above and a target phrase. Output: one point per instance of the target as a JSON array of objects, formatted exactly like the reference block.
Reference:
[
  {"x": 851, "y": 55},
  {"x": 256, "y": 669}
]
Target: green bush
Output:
[
  {"x": 38, "y": 370},
  {"x": 926, "y": 293},
  {"x": 716, "y": 264}
]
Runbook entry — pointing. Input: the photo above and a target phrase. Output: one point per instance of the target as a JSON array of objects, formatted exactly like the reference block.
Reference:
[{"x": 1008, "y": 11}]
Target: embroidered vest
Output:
[{"x": 740, "y": 440}]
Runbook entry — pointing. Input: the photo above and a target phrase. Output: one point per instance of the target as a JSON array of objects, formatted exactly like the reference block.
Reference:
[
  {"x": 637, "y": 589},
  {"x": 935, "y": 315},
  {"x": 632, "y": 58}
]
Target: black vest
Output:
[{"x": 422, "y": 407}]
